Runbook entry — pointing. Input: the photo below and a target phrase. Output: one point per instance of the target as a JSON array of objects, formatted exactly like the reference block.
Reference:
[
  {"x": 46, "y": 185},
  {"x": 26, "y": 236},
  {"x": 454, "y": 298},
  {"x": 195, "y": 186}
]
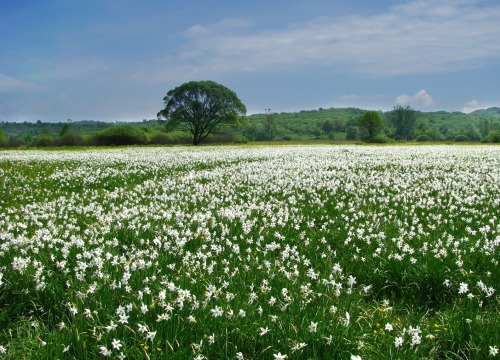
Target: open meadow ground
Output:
[{"x": 250, "y": 252}]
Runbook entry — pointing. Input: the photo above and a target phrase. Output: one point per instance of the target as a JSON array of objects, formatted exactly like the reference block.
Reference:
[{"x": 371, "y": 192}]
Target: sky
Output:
[{"x": 115, "y": 60}]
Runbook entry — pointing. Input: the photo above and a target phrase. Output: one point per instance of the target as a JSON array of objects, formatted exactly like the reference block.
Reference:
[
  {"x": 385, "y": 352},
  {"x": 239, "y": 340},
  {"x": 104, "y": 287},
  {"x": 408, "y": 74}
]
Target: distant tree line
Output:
[{"x": 344, "y": 124}]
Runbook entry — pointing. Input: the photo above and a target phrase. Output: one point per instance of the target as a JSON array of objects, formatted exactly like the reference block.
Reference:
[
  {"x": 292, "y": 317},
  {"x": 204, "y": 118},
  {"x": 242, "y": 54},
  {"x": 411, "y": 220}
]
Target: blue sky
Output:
[{"x": 114, "y": 60}]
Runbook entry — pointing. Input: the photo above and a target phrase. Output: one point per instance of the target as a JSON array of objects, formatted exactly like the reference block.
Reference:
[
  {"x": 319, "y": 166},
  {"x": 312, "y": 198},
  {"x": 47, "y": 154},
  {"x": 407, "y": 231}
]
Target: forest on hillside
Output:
[{"x": 334, "y": 124}]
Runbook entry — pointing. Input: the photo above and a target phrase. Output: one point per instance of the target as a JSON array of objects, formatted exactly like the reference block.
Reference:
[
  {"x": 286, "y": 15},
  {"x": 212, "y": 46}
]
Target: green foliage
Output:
[
  {"x": 493, "y": 137},
  {"x": 71, "y": 139},
  {"x": 404, "y": 119},
  {"x": 461, "y": 138},
  {"x": 120, "y": 135},
  {"x": 3, "y": 138},
  {"x": 303, "y": 125},
  {"x": 202, "y": 108},
  {"x": 371, "y": 124},
  {"x": 328, "y": 126},
  {"x": 422, "y": 138},
  {"x": 66, "y": 128},
  {"x": 352, "y": 133}
]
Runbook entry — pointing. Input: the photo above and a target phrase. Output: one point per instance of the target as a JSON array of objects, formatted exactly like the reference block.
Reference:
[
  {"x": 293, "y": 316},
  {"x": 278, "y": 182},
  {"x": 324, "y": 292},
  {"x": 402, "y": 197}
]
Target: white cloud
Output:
[
  {"x": 10, "y": 84},
  {"x": 472, "y": 105},
  {"x": 421, "y": 100},
  {"x": 416, "y": 37}
]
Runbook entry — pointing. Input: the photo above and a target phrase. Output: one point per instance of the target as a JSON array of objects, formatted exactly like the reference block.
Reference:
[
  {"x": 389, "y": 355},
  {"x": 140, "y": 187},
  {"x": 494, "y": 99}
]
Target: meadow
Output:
[{"x": 250, "y": 252}]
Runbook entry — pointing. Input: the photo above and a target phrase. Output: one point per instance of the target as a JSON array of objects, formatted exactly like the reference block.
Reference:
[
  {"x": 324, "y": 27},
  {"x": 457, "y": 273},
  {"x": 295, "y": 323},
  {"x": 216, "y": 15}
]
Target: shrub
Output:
[
  {"x": 44, "y": 141},
  {"x": 380, "y": 138},
  {"x": 352, "y": 133},
  {"x": 461, "y": 138},
  {"x": 493, "y": 137},
  {"x": 71, "y": 139},
  {"x": 160, "y": 139},
  {"x": 422, "y": 138},
  {"x": 120, "y": 135},
  {"x": 3, "y": 139}
]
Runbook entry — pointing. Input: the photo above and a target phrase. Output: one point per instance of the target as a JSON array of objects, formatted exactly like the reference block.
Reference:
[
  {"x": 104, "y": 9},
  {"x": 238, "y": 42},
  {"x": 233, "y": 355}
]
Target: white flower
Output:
[
  {"x": 313, "y": 327},
  {"x": 242, "y": 313},
  {"x": 347, "y": 319},
  {"x": 279, "y": 356},
  {"x": 151, "y": 335},
  {"x": 398, "y": 342},
  {"x": 117, "y": 344},
  {"x": 388, "y": 327},
  {"x": 217, "y": 311},
  {"x": 264, "y": 331},
  {"x": 463, "y": 288},
  {"x": 104, "y": 351},
  {"x": 299, "y": 346},
  {"x": 123, "y": 319},
  {"x": 493, "y": 350},
  {"x": 355, "y": 357},
  {"x": 142, "y": 328},
  {"x": 111, "y": 326},
  {"x": 3, "y": 350}
]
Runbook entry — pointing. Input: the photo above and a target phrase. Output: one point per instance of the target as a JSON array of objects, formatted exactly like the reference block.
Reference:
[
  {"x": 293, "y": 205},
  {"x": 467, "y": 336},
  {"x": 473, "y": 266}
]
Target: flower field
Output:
[{"x": 250, "y": 252}]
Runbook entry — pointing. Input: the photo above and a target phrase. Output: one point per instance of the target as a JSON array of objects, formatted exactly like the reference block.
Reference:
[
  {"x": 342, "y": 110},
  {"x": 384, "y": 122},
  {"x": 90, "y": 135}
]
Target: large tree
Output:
[
  {"x": 371, "y": 123},
  {"x": 404, "y": 120},
  {"x": 202, "y": 108}
]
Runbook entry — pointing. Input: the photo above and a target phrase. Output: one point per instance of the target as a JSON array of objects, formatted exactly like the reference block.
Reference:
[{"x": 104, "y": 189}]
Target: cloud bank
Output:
[
  {"x": 421, "y": 100},
  {"x": 417, "y": 37}
]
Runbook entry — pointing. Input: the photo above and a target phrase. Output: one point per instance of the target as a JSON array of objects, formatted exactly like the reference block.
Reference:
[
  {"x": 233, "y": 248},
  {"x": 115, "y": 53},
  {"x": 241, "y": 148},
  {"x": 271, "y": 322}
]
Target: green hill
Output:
[{"x": 333, "y": 124}]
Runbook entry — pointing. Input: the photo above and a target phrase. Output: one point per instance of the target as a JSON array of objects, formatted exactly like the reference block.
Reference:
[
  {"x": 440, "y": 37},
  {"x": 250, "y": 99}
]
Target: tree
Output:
[
  {"x": 371, "y": 122},
  {"x": 352, "y": 133},
  {"x": 3, "y": 139},
  {"x": 327, "y": 126},
  {"x": 269, "y": 125},
  {"x": 404, "y": 120},
  {"x": 65, "y": 128},
  {"x": 202, "y": 108}
]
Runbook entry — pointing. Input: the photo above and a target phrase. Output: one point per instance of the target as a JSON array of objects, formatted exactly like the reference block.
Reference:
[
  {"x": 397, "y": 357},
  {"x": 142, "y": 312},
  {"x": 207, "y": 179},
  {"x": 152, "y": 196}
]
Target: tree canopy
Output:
[
  {"x": 371, "y": 122},
  {"x": 404, "y": 120},
  {"x": 202, "y": 108}
]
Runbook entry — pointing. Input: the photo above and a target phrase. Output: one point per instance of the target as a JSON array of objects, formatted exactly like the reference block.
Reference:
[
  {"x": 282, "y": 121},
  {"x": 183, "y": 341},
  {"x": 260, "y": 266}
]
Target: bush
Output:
[
  {"x": 422, "y": 138},
  {"x": 493, "y": 137},
  {"x": 120, "y": 135},
  {"x": 352, "y": 133},
  {"x": 461, "y": 138},
  {"x": 71, "y": 139},
  {"x": 160, "y": 139},
  {"x": 380, "y": 138},
  {"x": 14, "y": 142},
  {"x": 44, "y": 141},
  {"x": 3, "y": 139},
  {"x": 240, "y": 139}
]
